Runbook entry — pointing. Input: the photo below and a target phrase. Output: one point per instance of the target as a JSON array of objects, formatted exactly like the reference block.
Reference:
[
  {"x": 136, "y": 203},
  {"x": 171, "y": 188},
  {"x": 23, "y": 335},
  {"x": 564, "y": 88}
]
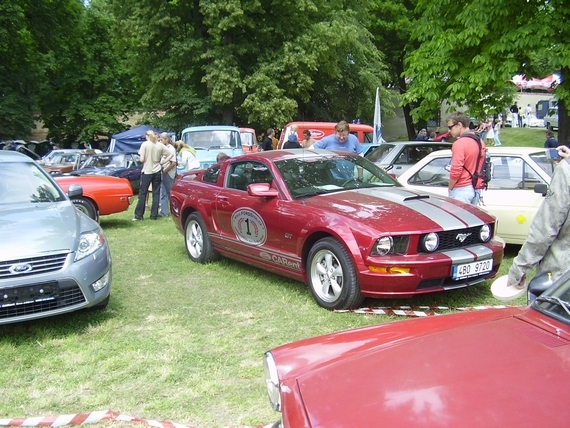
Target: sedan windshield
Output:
[
  {"x": 25, "y": 182},
  {"x": 312, "y": 176}
]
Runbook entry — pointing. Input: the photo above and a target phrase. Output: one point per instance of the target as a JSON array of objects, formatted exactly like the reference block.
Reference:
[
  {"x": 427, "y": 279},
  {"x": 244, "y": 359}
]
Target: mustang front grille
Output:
[
  {"x": 452, "y": 239},
  {"x": 32, "y": 265}
]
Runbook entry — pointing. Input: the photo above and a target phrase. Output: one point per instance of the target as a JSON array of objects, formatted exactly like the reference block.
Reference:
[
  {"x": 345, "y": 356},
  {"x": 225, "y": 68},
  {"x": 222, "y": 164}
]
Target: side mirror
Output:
[
  {"x": 74, "y": 191},
  {"x": 538, "y": 285},
  {"x": 541, "y": 188},
  {"x": 262, "y": 190}
]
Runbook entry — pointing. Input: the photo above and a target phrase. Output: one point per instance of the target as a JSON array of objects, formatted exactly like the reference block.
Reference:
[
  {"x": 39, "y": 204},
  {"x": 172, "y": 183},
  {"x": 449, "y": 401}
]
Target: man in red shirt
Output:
[{"x": 464, "y": 160}]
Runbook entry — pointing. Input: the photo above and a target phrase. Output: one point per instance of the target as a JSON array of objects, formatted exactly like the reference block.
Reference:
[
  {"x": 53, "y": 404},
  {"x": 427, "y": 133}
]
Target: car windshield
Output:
[
  {"x": 116, "y": 160},
  {"x": 247, "y": 138},
  {"x": 25, "y": 182},
  {"x": 380, "y": 153},
  {"x": 313, "y": 176},
  {"x": 49, "y": 157},
  {"x": 213, "y": 139},
  {"x": 556, "y": 302},
  {"x": 65, "y": 158}
]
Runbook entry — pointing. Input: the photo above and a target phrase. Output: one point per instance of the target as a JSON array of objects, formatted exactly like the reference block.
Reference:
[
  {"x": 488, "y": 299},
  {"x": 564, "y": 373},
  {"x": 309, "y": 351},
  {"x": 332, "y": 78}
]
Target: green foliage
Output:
[
  {"x": 250, "y": 62},
  {"x": 470, "y": 51},
  {"x": 86, "y": 92}
]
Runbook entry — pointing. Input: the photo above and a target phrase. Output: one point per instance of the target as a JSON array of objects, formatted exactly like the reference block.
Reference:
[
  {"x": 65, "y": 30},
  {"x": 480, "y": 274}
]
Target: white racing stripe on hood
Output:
[
  {"x": 428, "y": 205},
  {"x": 473, "y": 253}
]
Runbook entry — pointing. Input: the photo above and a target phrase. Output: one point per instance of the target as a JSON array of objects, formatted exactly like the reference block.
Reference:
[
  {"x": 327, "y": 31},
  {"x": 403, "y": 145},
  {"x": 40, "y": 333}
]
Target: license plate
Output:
[{"x": 468, "y": 270}]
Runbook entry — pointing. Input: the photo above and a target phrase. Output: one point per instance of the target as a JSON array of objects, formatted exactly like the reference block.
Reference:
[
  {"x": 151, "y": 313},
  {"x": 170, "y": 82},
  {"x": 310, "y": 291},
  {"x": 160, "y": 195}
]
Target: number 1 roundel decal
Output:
[{"x": 249, "y": 227}]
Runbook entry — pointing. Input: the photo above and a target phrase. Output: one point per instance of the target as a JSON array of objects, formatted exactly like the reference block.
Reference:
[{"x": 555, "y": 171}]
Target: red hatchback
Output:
[
  {"x": 505, "y": 367},
  {"x": 335, "y": 221}
]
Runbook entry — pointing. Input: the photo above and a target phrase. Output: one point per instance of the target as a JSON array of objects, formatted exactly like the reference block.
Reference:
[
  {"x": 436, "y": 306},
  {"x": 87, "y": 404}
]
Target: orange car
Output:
[{"x": 102, "y": 194}]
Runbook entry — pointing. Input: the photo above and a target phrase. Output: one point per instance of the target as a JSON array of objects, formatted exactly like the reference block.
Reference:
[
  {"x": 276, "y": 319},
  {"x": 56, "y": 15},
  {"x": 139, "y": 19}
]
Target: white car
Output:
[{"x": 510, "y": 196}]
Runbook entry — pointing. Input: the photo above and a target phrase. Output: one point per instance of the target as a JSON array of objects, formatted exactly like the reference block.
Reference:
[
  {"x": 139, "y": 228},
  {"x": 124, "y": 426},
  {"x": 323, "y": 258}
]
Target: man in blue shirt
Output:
[
  {"x": 341, "y": 140},
  {"x": 551, "y": 142}
]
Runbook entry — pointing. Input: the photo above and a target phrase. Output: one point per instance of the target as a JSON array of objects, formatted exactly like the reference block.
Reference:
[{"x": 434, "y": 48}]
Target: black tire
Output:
[
  {"x": 86, "y": 207},
  {"x": 332, "y": 277},
  {"x": 198, "y": 244}
]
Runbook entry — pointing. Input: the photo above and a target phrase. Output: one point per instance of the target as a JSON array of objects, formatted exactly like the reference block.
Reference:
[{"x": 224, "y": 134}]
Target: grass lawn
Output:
[{"x": 180, "y": 341}]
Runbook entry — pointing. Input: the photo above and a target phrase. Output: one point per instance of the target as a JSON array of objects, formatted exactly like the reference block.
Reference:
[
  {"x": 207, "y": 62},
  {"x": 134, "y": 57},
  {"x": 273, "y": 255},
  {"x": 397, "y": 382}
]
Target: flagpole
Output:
[{"x": 377, "y": 119}]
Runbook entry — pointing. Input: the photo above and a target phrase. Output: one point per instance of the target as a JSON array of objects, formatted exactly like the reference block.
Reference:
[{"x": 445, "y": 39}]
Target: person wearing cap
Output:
[
  {"x": 292, "y": 142},
  {"x": 422, "y": 135}
]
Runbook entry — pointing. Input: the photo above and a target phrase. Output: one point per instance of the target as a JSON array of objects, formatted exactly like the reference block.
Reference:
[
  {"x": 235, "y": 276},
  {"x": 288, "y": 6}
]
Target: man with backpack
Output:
[{"x": 467, "y": 159}]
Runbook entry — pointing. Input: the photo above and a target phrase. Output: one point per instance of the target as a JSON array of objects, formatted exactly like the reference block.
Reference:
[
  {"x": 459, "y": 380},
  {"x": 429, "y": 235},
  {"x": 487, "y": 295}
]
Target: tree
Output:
[
  {"x": 255, "y": 62},
  {"x": 392, "y": 22},
  {"x": 470, "y": 50},
  {"x": 86, "y": 92}
]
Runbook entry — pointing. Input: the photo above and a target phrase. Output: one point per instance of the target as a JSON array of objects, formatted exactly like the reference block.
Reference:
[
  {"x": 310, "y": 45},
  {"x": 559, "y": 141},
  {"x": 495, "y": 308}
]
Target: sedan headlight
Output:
[
  {"x": 431, "y": 242},
  {"x": 272, "y": 381},
  {"x": 89, "y": 242},
  {"x": 485, "y": 233}
]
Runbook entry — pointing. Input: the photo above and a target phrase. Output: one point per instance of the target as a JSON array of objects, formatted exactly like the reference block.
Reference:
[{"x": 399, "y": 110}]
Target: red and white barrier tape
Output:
[
  {"x": 94, "y": 417},
  {"x": 415, "y": 311}
]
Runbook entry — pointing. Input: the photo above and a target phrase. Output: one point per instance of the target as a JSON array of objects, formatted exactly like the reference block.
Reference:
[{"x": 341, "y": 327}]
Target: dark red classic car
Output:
[
  {"x": 336, "y": 222},
  {"x": 506, "y": 367}
]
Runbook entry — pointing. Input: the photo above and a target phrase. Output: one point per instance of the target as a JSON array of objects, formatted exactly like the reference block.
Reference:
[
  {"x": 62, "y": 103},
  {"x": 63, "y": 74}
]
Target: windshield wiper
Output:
[
  {"x": 313, "y": 193},
  {"x": 557, "y": 301}
]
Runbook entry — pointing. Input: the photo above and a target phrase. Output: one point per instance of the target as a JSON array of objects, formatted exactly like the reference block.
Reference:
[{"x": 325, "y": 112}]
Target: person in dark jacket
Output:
[
  {"x": 267, "y": 143},
  {"x": 551, "y": 142}
]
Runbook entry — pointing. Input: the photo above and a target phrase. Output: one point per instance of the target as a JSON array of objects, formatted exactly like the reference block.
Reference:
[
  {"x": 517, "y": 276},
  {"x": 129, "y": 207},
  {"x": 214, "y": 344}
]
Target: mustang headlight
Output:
[
  {"x": 384, "y": 245},
  {"x": 431, "y": 242},
  {"x": 272, "y": 381},
  {"x": 89, "y": 242},
  {"x": 485, "y": 233}
]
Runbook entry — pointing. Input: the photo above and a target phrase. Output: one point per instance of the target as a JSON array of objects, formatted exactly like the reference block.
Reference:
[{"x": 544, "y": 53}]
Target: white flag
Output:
[{"x": 377, "y": 120}]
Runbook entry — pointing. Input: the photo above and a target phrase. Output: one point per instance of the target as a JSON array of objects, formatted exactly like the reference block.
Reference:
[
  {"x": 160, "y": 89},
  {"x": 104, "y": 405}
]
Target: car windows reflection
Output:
[
  {"x": 25, "y": 183},
  {"x": 242, "y": 174},
  {"x": 434, "y": 174},
  {"x": 307, "y": 176},
  {"x": 513, "y": 172}
]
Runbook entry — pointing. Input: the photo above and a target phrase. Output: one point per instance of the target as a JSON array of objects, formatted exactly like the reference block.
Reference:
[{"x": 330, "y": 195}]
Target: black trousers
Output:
[{"x": 146, "y": 180}]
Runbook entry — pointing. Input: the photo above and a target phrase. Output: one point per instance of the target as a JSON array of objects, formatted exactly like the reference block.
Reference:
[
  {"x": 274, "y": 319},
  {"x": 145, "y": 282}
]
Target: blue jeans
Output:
[
  {"x": 466, "y": 194},
  {"x": 165, "y": 186}
]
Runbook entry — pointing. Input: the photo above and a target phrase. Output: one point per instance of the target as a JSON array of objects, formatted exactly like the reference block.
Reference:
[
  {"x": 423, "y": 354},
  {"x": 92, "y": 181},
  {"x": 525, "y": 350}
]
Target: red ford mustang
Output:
[
  {"x": 102, "y": 195},
  {"x": 336, "y": 222},
  {"x": 505, "y": 367}
]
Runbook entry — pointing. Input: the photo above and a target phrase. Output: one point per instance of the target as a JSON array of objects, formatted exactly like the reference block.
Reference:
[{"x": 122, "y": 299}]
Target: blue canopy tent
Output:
[{"x": 131, "y": 139}]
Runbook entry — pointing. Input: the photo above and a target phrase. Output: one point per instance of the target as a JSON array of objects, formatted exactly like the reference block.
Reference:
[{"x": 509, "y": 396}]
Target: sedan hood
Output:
[
  {"x": 494, "y": 369},
  {"x": 403, "y": 209},
  {"x": 58, "y": 226}
]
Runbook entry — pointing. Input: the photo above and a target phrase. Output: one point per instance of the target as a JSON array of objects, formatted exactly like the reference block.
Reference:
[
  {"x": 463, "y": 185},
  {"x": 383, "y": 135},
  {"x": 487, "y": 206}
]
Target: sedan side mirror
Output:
[
  {"x": 541, "y": 188},
  {"x": 74, "y": 191}
]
